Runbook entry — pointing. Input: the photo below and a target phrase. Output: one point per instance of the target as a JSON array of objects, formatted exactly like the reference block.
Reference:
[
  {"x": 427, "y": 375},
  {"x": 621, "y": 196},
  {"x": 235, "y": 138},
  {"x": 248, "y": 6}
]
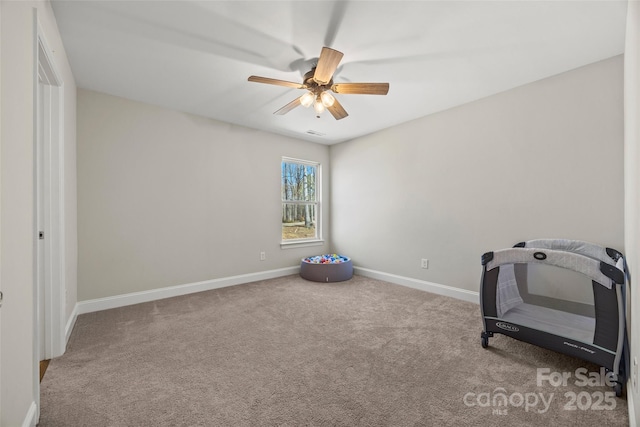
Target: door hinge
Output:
[
  {"x": 1, "y": 296},
  {"x": 41, "y": 235}
]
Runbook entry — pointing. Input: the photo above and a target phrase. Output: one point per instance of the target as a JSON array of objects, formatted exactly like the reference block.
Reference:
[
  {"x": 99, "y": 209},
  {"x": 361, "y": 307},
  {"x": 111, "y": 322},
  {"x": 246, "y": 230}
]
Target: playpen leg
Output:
[
  {"x": 618, "y": 389},
  {"x": 484, "y": 338}
]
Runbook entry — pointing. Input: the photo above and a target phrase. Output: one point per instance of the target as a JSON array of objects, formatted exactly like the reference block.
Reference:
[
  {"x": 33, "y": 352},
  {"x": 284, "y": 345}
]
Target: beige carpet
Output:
[{"x": 288, "y": 352}]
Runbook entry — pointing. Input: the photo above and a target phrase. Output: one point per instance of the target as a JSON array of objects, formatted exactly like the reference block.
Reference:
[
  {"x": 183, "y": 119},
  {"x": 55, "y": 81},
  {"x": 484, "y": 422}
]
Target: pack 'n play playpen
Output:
[{"x": 527, "y": 294}]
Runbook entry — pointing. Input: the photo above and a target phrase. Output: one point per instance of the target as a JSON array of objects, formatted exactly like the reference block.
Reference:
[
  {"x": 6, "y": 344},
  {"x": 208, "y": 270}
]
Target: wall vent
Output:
[{"x": 315, "y": 133}]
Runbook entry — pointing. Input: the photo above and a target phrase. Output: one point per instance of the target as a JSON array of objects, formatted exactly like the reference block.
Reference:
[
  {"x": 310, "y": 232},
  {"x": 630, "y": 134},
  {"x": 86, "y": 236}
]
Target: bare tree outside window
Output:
[{"x": 299, "y": 188}]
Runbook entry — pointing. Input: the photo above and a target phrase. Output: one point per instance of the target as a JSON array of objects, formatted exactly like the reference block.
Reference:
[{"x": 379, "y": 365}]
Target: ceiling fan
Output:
[{"x": 319, "y": 82}]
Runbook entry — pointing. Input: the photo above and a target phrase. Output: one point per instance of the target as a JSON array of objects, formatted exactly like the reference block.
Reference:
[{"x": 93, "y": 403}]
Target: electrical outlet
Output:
[
  {"x": 424, "y": 263},
  {"x": 263, "y": 256}
]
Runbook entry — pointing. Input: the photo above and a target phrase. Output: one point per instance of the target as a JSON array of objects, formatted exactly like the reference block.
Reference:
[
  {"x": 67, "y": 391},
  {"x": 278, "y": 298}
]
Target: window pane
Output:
[
  {"x": 298, "y": 221},
  {"x": 298, "y": 182}
]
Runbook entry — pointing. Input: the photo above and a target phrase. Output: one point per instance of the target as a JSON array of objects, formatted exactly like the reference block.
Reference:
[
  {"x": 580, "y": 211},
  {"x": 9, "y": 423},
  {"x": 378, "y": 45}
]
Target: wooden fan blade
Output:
[
  {"x": 361, "y": 88},
  {"x": 277, "y": 82},
  {"x": 290, "y": 106},
  {"x": 327, "y": 64},
  {"x": 337, "y": 110}
]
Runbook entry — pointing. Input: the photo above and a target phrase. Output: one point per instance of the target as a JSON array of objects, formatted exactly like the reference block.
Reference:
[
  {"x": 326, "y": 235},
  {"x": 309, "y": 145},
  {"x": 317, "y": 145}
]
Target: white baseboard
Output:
[
  {"x": 435, "y": 288},
  {"x": 106, "y": 303},
  {"x": 116, "y": 301},
  {"x": 70, "y": 324},
  {"x": 31, "y": 419},
  {"x": 631, "y": 406}
]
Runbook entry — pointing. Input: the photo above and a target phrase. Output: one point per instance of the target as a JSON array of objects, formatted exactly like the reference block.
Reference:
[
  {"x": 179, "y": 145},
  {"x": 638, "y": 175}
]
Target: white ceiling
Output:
[{"x": 195, "y": 56}]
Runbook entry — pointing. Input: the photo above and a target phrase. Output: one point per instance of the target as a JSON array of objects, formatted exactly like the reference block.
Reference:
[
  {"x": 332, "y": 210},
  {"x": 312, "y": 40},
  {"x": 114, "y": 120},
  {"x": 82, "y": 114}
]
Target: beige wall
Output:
[
  {"x": 632, "y": 185},
  {"x": 542, "y": 160},
  {"x": 167, "y": 198},
  {"x": 17, "y": 383}
]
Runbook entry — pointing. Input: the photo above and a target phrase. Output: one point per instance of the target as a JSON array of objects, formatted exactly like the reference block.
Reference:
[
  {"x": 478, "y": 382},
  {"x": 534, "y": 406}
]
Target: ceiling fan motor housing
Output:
[{"x": 313, "y": 86}]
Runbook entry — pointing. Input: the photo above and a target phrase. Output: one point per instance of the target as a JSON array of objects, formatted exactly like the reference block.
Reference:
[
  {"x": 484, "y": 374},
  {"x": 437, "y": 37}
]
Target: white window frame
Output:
[{"x": 311, "y": 241}]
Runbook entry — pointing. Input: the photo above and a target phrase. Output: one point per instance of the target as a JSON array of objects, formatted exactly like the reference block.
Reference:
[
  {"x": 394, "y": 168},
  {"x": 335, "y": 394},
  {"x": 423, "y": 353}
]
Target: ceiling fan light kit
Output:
[
  {"x": 318, "y": 106},
  {"x": 327, "y": 99},
  {"x": 318, "y": 82},
  {"x": 307, "y": 99}
]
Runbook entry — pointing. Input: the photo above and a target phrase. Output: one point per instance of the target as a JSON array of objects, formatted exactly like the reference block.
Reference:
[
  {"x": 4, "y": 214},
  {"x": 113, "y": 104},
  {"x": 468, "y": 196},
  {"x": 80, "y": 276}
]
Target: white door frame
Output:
[{"x": 53, "y": 286}]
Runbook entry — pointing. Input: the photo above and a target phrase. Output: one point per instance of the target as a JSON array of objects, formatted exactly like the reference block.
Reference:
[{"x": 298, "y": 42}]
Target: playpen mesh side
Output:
[
  {"x": 512, "y": 262},
  {"x": 537, "y": 313}
]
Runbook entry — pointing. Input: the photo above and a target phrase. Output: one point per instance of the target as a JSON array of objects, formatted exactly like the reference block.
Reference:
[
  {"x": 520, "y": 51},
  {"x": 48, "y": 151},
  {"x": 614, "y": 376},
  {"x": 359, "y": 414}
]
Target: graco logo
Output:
[{"x": 507, "y": 327}]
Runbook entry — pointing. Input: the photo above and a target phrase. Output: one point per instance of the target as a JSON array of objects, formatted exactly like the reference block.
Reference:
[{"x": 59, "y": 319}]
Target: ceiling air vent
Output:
[{"x": 315, "y": 133}]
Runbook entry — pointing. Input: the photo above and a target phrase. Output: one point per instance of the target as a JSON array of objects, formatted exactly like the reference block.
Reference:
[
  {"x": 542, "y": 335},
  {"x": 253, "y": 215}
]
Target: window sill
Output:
[{"x": 301, "y": 244}]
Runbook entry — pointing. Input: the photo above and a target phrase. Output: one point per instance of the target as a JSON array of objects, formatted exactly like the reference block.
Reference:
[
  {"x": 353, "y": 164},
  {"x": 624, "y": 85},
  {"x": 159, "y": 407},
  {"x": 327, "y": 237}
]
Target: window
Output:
[{"x": 300, "y": 188}]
